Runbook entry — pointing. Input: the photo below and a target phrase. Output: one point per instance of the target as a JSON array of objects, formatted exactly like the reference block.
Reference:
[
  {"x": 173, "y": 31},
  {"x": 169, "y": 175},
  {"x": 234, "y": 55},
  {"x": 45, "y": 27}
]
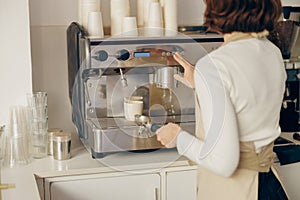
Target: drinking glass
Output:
[{"x": 38, "y": 123}]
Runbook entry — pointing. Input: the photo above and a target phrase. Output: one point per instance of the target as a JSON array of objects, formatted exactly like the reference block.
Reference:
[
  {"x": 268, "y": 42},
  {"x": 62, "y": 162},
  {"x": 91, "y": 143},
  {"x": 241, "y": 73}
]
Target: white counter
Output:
[{"x": 82, "y": 163}]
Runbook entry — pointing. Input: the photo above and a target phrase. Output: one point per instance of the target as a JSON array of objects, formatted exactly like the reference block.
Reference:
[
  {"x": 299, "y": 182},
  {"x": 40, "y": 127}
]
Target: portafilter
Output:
[{"x": 145, "y": 121}]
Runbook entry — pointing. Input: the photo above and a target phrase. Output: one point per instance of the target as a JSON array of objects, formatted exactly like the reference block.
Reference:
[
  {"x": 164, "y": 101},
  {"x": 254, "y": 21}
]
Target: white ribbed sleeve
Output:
[{"x": 220, "y": 152}]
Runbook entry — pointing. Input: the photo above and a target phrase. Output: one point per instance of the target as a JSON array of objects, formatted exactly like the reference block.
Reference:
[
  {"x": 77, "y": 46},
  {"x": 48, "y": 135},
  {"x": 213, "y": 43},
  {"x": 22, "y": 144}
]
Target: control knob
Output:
[
  {"x": 123, "y": 55},
  {"x": 101, "y": 55}
]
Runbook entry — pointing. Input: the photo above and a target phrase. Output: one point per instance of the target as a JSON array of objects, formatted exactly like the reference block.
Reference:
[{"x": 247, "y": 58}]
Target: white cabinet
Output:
[
  {"x": 174, "y": 184},
  {"x": 181, "y": 185},
  {"x": 104, "y": 187}
]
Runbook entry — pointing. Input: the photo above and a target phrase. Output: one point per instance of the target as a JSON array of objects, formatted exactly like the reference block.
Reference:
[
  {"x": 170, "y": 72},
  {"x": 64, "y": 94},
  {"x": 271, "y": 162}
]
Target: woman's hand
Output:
[
  {"x": 167, "y": 135},
  {"x": 188, "y": 77}
]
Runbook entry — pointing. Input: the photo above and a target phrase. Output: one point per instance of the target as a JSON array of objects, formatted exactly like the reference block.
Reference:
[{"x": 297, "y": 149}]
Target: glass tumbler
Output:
[{"x": 38, "y": 123}]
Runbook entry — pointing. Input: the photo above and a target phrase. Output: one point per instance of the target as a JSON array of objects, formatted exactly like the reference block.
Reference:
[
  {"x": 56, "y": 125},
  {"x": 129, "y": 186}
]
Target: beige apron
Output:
[{"x": 243, "y": 184}]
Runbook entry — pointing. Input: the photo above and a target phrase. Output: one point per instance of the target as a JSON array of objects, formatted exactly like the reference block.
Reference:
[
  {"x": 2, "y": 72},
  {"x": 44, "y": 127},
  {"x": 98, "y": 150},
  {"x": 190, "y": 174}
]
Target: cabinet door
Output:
[
  {"x": 290, "y": 176},
  {"x": 133, "y": 187},
  {"x": 181, "y": 185}
]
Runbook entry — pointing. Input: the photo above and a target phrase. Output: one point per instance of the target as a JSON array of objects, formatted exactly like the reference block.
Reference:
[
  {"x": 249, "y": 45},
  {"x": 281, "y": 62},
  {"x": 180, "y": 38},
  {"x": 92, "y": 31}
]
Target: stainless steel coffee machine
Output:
[
  {"x": 102, "y": 72},
  {"x": 287, "y": 37}
]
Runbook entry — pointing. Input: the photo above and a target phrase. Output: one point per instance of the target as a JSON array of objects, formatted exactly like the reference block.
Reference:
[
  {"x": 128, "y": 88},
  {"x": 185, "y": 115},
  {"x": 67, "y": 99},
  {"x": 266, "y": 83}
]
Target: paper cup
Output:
[
  {"x": 170, "y": 17},
  {"x": 132, "y": 108},
  {"x": 118, "y": 10},
  {"x": 155, "y": 23},
  {"x": 146, "y": 11},
  {"x": 155, "y": 15},
  {"x": 84, "y": 7},
  {"x": 95, "y": 26},
  {"x": 129, "y": 27}
]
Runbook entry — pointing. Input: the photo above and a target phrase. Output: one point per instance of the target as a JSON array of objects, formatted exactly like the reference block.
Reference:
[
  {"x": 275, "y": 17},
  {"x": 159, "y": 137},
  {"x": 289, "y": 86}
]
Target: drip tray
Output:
[{"x": 120, "y": 122}]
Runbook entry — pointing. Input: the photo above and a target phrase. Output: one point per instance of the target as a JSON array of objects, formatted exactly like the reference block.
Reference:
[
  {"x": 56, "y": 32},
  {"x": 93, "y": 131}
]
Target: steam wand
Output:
[{"x": 123, "y": 79}]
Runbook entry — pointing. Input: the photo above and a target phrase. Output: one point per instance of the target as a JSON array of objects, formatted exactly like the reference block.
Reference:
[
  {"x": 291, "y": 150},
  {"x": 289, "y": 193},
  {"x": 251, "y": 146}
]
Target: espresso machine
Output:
[
  {"x": 287, "y": 37},
  {"x": 105, "y": 71}
]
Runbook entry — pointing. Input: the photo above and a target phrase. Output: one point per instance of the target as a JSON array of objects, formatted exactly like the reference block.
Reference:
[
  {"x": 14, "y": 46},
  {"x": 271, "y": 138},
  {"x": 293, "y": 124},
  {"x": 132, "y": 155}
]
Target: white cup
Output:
[
  {"x": 132, "y": 108},
  {"x": 129, "y": 27},
  {"x": 170, "y": 17},
  {"x": 154, "y": 26},
  {"x": 84, "y": 7},
  {"x": 118, "y": 10},
  {"x": 146, "y": 9},
  {"x": 95, "y": 26},
  {"x": 155, "y": 15}
]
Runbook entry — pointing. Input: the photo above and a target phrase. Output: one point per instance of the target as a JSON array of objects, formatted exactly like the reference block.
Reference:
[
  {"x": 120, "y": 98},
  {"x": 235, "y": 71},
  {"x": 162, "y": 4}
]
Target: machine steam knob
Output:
[
  {"x": 101, "y": 55},
  {"x": 123, "y": 55}
]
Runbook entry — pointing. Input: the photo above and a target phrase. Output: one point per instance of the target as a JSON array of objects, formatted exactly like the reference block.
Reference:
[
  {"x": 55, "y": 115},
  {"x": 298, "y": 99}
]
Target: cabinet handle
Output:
[
  {"x": 7, "y": 186},
  {"x": 156, "y": 193}
]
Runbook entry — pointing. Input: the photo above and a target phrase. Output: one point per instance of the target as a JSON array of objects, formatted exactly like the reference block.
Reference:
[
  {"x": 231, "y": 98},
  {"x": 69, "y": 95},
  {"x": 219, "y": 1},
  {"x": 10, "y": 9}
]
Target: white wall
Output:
[
  {"x": 57, "y": 12},
  {"x": 15, "y": 57}
]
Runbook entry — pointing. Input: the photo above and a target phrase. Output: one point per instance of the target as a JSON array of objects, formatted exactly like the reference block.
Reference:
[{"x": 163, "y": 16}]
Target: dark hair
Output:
[{"x": 227, "y": 16}]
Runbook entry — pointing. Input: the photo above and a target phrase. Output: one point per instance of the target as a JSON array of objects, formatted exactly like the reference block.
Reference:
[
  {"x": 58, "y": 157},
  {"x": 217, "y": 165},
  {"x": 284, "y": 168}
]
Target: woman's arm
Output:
[{"x": 219, "y": 152}]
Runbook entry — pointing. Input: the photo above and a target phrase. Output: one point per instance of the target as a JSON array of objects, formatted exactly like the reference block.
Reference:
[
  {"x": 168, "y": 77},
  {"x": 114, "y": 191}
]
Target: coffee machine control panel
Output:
[
  {"x": 102, "y": 55},
  {"x": 142, "y": 52}
]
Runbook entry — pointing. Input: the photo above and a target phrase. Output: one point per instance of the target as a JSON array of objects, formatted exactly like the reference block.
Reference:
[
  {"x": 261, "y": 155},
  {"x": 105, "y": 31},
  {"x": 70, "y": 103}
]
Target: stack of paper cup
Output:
[
  {"x": 129, "y": 27},
  {"x": 84, "y": 7},
  {"x": 146, "y": 11},
  {"x": 95, "y": 26},
  {"x": 170, "y": 17},
  {"x": 155, "y": 23},
  {"x": 118, "y": 10}
]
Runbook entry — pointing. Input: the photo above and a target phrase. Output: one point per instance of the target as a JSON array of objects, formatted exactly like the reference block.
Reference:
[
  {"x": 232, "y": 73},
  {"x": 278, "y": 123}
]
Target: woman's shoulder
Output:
[
  {"x": 216, "y": 59},
  {"x": 240, "y": 50}
]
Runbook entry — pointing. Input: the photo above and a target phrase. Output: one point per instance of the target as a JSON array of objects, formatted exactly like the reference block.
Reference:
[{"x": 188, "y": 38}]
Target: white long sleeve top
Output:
[{"x": 240, "y": 89}]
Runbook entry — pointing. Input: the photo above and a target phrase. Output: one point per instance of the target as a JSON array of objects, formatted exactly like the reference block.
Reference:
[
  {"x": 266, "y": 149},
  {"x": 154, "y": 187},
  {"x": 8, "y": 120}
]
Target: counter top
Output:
[{"x": 81, "y": 162}]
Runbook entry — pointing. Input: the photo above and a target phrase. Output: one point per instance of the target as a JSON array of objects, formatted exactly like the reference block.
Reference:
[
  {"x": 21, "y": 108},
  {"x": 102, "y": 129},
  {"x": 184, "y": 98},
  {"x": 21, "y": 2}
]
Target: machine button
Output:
[
  {"x": 123, "y": 55},
  {"x": 101, "y": 55}
]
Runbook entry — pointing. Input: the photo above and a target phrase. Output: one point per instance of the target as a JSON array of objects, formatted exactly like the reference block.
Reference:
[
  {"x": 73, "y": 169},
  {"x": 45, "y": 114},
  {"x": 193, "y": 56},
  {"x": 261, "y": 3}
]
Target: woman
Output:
[{"x": 239, "y": 89}]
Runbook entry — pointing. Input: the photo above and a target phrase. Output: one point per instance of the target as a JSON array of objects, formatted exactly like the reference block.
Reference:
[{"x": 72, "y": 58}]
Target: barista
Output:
[{"x": 238, "y": 90}]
